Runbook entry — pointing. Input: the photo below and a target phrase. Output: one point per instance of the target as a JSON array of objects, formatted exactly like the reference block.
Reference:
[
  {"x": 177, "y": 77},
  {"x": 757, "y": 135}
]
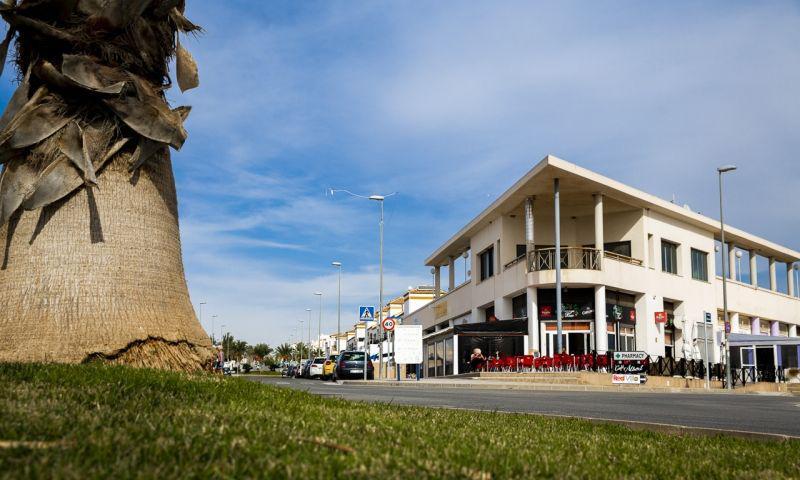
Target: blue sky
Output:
[{"x": 448, "y": 103}]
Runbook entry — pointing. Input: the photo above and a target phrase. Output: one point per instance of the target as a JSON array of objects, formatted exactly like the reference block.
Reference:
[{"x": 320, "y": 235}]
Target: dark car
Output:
[
  {"x": 306, "y": 370},
  {"x": 350, "y": 364}
]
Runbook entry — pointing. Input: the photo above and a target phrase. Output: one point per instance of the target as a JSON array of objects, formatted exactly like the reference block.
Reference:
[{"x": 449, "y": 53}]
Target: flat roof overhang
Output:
[{"x": 577, "y": 180}]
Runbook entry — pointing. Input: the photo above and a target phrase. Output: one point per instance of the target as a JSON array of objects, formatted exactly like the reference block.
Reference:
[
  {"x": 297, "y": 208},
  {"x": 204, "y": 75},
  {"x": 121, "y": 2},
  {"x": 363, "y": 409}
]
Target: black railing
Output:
[{"x": 671, "y": 367}]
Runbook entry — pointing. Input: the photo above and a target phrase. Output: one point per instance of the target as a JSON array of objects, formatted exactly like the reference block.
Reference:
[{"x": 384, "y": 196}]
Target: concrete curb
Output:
[{"x": 486, "y": 385}]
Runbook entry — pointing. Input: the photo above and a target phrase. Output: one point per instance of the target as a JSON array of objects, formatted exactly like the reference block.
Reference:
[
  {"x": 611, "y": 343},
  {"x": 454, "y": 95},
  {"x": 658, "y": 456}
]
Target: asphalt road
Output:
[{"x": 741, "y": 413}]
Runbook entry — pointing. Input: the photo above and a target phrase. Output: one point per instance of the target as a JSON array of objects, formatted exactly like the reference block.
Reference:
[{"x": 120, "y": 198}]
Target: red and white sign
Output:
[
  {"x": 661, "y": 317},
  {"x": 388, "y": 324},
  {"x": 626, "y": 378}
]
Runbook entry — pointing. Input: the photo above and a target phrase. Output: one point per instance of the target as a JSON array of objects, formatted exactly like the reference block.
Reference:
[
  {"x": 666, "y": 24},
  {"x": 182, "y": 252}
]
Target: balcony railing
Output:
[
  {"x": 622, "y": 258},
  {"x": 570, "y": 257}
]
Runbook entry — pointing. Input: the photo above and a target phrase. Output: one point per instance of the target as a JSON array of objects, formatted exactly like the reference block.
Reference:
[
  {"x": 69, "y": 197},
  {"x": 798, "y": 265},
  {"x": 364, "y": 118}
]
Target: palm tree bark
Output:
[{"x": 91, "y": 254}]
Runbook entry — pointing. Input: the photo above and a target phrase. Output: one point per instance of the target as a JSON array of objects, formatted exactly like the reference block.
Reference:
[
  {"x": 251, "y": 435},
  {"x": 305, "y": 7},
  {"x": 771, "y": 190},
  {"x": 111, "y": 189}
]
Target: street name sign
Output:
[{"x": 408, "y": 344}]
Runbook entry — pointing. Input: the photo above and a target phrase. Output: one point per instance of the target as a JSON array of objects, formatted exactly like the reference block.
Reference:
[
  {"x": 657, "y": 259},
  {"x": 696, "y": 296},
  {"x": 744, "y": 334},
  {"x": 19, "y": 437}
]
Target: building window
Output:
[
  {"x": 699, "y": 265},
  {"x": 669, "y": 257},
  {"x": 627, "y": 339},
  {"x": 448, "y": 356},
  {"x": 487, "y": 263}
]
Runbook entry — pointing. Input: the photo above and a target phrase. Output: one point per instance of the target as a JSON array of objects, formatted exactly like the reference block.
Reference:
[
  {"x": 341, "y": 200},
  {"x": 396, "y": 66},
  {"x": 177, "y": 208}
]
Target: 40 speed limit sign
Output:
[{"x": 388, "y": 324}]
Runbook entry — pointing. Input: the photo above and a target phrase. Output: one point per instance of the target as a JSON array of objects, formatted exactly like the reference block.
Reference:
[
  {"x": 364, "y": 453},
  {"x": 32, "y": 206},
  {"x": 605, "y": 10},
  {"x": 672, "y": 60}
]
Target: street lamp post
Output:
[
  {"x": 319, "y": 326},
  {"x": 201, "y": 321},
  {"x": 380, "y": 199},
  {"x": 739, "y": 265},
  {"x": 300, "y": 341},
  {"x": 338, "y": 265},
  {"x": 225, "y": 345},
  {"x": 213, "y": 332},
  {"x": 720, "y": 171},
  {"x": 309, "y": 332},
  {"x": 465, "y": 255},
  {"x": 797, "y": 280}
]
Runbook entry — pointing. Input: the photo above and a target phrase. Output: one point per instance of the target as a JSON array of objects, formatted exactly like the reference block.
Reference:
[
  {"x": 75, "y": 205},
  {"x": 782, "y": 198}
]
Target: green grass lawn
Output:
[{"x": 94, "y": 421}]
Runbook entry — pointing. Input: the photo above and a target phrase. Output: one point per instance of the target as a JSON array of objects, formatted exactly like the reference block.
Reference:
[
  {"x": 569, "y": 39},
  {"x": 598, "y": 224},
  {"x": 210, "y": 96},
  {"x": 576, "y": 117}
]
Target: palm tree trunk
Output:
[
  {"x": 91, "y": 260},
  {"x": 100, "y": 276}
]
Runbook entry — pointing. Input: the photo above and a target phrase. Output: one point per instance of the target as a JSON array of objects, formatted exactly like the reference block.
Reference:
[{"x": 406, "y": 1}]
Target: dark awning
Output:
[{"x": 500, "y": 327}]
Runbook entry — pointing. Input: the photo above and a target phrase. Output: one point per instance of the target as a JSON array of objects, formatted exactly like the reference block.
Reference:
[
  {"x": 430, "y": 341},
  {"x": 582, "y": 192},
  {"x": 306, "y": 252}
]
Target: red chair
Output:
[
  {"x": 527, "y": 363},
  {"x": 509, "y": 363},
  {"x": 494, "y": 364},
  {"x": 602, "y": 362}
]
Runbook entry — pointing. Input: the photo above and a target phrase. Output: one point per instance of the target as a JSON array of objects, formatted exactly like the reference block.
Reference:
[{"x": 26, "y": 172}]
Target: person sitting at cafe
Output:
[{"x": 476, "y": 360}]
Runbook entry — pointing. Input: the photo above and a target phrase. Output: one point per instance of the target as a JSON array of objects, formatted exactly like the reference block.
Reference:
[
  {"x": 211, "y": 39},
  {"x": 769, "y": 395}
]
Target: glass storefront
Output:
[{"x": 621, "y": 321}]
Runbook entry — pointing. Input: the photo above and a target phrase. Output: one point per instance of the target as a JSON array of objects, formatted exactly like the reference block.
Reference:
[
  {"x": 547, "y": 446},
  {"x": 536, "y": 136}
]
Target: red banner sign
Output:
[{"x": 661, "y": 317}]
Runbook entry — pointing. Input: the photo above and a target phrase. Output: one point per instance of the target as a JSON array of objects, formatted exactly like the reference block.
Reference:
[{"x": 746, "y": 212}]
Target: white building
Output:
[{"x": 629, "y": 261}]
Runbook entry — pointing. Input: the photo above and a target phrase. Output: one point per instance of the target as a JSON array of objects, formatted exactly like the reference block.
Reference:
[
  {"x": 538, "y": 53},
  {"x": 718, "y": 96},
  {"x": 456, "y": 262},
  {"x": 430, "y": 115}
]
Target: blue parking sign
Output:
[{"x": 366, "y": 314}]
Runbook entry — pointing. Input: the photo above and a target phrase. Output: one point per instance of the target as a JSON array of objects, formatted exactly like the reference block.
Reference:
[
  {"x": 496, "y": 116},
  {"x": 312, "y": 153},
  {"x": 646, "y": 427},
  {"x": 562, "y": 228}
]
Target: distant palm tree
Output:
[
  {"x": 285, "y": 351},
  {"x": 262, "y": 350},
  {"x": 90, "y": 252}
]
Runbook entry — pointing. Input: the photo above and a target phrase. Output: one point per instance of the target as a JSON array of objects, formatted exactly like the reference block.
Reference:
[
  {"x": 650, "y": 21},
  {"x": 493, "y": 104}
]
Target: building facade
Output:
[{"x": 638, "y": 273}]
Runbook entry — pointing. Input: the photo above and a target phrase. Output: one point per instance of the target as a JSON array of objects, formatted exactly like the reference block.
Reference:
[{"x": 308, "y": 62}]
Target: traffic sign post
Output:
[
  {"x": 388, "y": 324},
  {"x": 706, "y": 324},
  {"x": 366, "y": 314}
]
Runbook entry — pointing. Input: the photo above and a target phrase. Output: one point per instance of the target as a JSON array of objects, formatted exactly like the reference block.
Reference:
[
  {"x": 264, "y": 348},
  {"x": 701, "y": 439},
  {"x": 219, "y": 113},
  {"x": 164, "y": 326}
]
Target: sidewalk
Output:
[{"x": 487, "y": 384}]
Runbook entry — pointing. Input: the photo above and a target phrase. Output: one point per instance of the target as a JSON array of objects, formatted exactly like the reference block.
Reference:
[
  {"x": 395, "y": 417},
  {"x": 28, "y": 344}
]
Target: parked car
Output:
[
  {"x": 304, "y": 372},
  {"x": 350, "y": 364},
  {"x": 315, "y": 369},
  {"x": 328, "y": 366}
]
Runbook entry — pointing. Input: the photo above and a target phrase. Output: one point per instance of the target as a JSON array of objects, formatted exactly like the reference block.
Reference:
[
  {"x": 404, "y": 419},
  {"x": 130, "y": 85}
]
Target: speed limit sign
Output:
[{"x": 388, "y": 324}]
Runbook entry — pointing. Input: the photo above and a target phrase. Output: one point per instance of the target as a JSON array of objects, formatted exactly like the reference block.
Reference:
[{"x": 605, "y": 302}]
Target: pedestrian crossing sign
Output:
[{"x": 366, "y": 314}]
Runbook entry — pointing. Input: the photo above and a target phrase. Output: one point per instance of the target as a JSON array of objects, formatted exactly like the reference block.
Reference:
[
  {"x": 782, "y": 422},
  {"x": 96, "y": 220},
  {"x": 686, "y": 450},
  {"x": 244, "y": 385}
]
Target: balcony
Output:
[{"x": 570, "y": 258}]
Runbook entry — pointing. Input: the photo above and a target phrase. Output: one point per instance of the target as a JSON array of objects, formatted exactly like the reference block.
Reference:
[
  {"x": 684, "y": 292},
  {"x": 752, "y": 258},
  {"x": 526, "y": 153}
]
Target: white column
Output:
[
  {"x": 533, "y": 319},
  {"x": 789, "y": 279},
  {"x": 600, "y": 331},
  {"x": 437, "y": 280},
  {"x": 543, "y": 338},
  {"x": 732, "y": 261},
  {"x": 792, "y": 330},
  {"x": 755, "y": 326},
  {"x": 734, "y": 319},
  {"x": 451, "y": 273},
  {"x": 753, "y": 269},
  {"x": 598, "y": 222},
  {"x": 529, "y": 224},
  {"x": 456, "y": 356},
  {"x": 773, "y": 275}
]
